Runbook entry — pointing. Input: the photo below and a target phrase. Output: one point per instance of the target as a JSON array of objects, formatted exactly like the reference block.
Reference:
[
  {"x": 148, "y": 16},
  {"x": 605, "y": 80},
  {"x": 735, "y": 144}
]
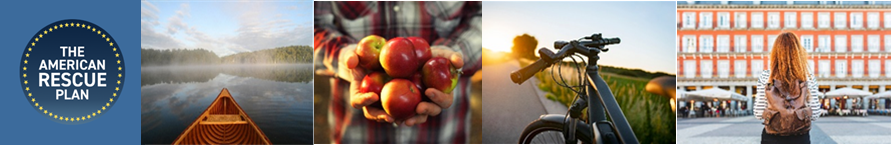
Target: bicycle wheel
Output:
[{"x": 548, "y": 132}]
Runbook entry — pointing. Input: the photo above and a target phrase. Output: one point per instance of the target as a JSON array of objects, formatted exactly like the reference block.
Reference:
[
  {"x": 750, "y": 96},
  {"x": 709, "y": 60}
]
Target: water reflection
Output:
[{"x": 277, "y": 97}]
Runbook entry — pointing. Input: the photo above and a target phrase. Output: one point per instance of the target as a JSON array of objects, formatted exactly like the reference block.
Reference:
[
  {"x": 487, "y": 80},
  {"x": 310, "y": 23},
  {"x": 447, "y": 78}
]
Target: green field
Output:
[{"x": 650, "y": 115}]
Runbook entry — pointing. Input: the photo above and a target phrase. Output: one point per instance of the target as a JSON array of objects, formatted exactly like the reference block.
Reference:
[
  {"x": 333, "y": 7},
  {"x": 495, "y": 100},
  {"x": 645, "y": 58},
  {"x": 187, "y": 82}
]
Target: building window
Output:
[
  {"x": 740, "y": 68},
  {"x": 824, "y": 20},
  {"x": 857, "y": 68},
  {"x": 790, "y": 20},
  {"x": 706, "y": 43},
  {"x": 724, "y": 19},
  {"x": 757, "y": 20},
  {"x": 740, "y": 19},
  {"x": 723, "y": 42},
  {"x": 773, "y": 20},
  {"x": 840, "y": 43},
  {"x": 740, "y": 43},
  {"x": 839, "y": 21},
  {"x": 690, "y": 21},
  {"x": 824, "y": 68},
  {"x": 807, "y": 20},
  {"x": 724, "y": 68},
  {"x": 823, "y": 43},
  {"x": 757, "y": 42},
  {"x": 841, "y": 68},
  {"x": 857, "y": 43},
  {"x": 873, "y": 67},
  {"x": 706, "y": 68},
  {"x": 873, "y": 43},
  {"x": 873, "y": 20},
  {"x": 857, "y": 21},
  {"x": 690, "y": 68},
  {"x": 705, "y": 20},
  {"x": 689, "y": 43},
  {"x": 756, "y": 67},
  {"x": 808, "y": 43},
  {"x": 771, "y": 39}
]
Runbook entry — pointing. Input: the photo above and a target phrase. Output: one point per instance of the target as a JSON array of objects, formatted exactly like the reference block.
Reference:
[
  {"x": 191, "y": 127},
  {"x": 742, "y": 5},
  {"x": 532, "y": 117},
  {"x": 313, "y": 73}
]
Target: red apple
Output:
[
  {"x": 422, "y": 49},
  {"x": 398, "y": 58},
  {"x": 399, "y": 98},
  {"x": 440, "y": 74},
  {"x": 374, "y": 82},
  {"x": 369, "y": 50}
]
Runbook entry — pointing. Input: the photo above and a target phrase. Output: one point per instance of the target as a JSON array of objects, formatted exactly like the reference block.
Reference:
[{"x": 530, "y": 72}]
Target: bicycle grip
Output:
[
  {"x": 602, "y": 42},
  {"x": 525, "y": 73}
]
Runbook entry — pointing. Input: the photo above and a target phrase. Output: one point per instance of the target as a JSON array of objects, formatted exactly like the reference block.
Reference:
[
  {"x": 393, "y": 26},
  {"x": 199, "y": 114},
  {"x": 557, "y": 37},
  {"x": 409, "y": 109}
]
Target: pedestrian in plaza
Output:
[{"x": 786, "y": 106}]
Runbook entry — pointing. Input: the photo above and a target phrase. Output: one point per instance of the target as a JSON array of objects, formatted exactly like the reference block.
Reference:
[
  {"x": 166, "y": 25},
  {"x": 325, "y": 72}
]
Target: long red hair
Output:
[{"x": 788, "y": 62}]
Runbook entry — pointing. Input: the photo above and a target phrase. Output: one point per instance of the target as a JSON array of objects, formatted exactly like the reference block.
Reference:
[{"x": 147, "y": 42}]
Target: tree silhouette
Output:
[
  {"x": 200, "y": 56},
  {"x": 524, "y": 46}
]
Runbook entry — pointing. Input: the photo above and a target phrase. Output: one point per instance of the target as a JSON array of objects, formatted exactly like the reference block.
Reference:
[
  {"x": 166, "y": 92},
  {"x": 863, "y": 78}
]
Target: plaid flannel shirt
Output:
[{"x": 452, "y": 24}]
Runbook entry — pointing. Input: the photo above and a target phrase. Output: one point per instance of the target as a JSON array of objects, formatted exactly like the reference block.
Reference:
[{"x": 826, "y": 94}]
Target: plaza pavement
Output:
[{"x": 747, "y": 130}]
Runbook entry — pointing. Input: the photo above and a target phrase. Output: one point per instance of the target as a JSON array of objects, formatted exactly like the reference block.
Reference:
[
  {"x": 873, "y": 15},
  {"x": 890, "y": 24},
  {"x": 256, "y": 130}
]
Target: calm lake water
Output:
[{"x": 277, "y": 97}]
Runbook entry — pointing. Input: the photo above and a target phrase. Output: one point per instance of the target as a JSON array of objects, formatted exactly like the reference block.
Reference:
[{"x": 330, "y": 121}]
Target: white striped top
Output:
[{"x": 761, "y": 102}]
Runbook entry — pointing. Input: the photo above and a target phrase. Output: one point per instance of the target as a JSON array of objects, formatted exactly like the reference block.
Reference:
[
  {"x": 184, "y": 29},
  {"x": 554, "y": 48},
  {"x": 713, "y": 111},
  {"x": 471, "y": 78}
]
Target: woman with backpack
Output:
[{"x": 786, "y": 101}]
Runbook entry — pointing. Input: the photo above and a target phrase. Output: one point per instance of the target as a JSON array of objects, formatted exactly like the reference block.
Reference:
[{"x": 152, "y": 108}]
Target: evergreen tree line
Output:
[{"x": 200, "y": 56}]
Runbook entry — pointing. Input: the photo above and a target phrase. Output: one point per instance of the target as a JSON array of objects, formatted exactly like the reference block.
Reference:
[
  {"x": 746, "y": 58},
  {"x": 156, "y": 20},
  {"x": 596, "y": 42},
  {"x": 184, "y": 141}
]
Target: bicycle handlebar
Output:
[
  {"x": 592, "y": 43},
  {"x": 547, "y": 58}
]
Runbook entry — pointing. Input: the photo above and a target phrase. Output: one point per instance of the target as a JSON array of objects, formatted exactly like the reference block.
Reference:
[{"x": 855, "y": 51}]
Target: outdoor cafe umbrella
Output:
[
  {"x": 885, "y": 95},
  {"x": 847, "y": 92},
  {"x": 841, "y": 92},
  {"x": 714, "y": 94}
]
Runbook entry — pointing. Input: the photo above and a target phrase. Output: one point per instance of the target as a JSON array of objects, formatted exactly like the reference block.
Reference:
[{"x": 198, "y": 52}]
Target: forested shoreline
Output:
[{"x": 200, "y": 56}]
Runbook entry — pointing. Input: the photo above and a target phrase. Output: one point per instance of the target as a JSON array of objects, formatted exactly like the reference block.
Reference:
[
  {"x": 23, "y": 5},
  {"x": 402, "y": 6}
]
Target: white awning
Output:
[
  {"x": 847, "y": 92},
  {"x": 714, "y": 94},
  {"x": 883, "y": 95}
]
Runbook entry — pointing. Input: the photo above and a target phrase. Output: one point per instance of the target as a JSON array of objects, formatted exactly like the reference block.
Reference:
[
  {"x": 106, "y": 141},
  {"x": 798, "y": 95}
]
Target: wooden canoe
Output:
[{"x": 223, "y": 122}]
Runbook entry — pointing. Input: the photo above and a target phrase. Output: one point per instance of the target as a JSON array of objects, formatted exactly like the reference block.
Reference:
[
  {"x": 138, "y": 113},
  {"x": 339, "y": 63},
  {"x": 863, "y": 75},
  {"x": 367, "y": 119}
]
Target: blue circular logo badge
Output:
[{"x": 72, "y": 71}]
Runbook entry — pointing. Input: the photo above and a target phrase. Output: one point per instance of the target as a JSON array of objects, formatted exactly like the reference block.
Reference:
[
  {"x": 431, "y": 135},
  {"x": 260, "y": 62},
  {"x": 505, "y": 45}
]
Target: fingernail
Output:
[{"x": 430, "y": 94}]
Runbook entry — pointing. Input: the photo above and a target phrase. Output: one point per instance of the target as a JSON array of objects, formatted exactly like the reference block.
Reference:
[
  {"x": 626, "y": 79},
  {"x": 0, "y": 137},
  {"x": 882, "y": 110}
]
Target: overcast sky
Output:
[
  {"x": 225, "y": 27},
  {"x": 647, "y": 29}
]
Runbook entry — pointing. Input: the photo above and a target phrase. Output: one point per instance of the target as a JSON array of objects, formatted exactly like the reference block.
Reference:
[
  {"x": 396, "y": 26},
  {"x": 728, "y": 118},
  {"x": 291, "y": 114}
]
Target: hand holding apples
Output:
[{"x": 413, "y": 65}]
